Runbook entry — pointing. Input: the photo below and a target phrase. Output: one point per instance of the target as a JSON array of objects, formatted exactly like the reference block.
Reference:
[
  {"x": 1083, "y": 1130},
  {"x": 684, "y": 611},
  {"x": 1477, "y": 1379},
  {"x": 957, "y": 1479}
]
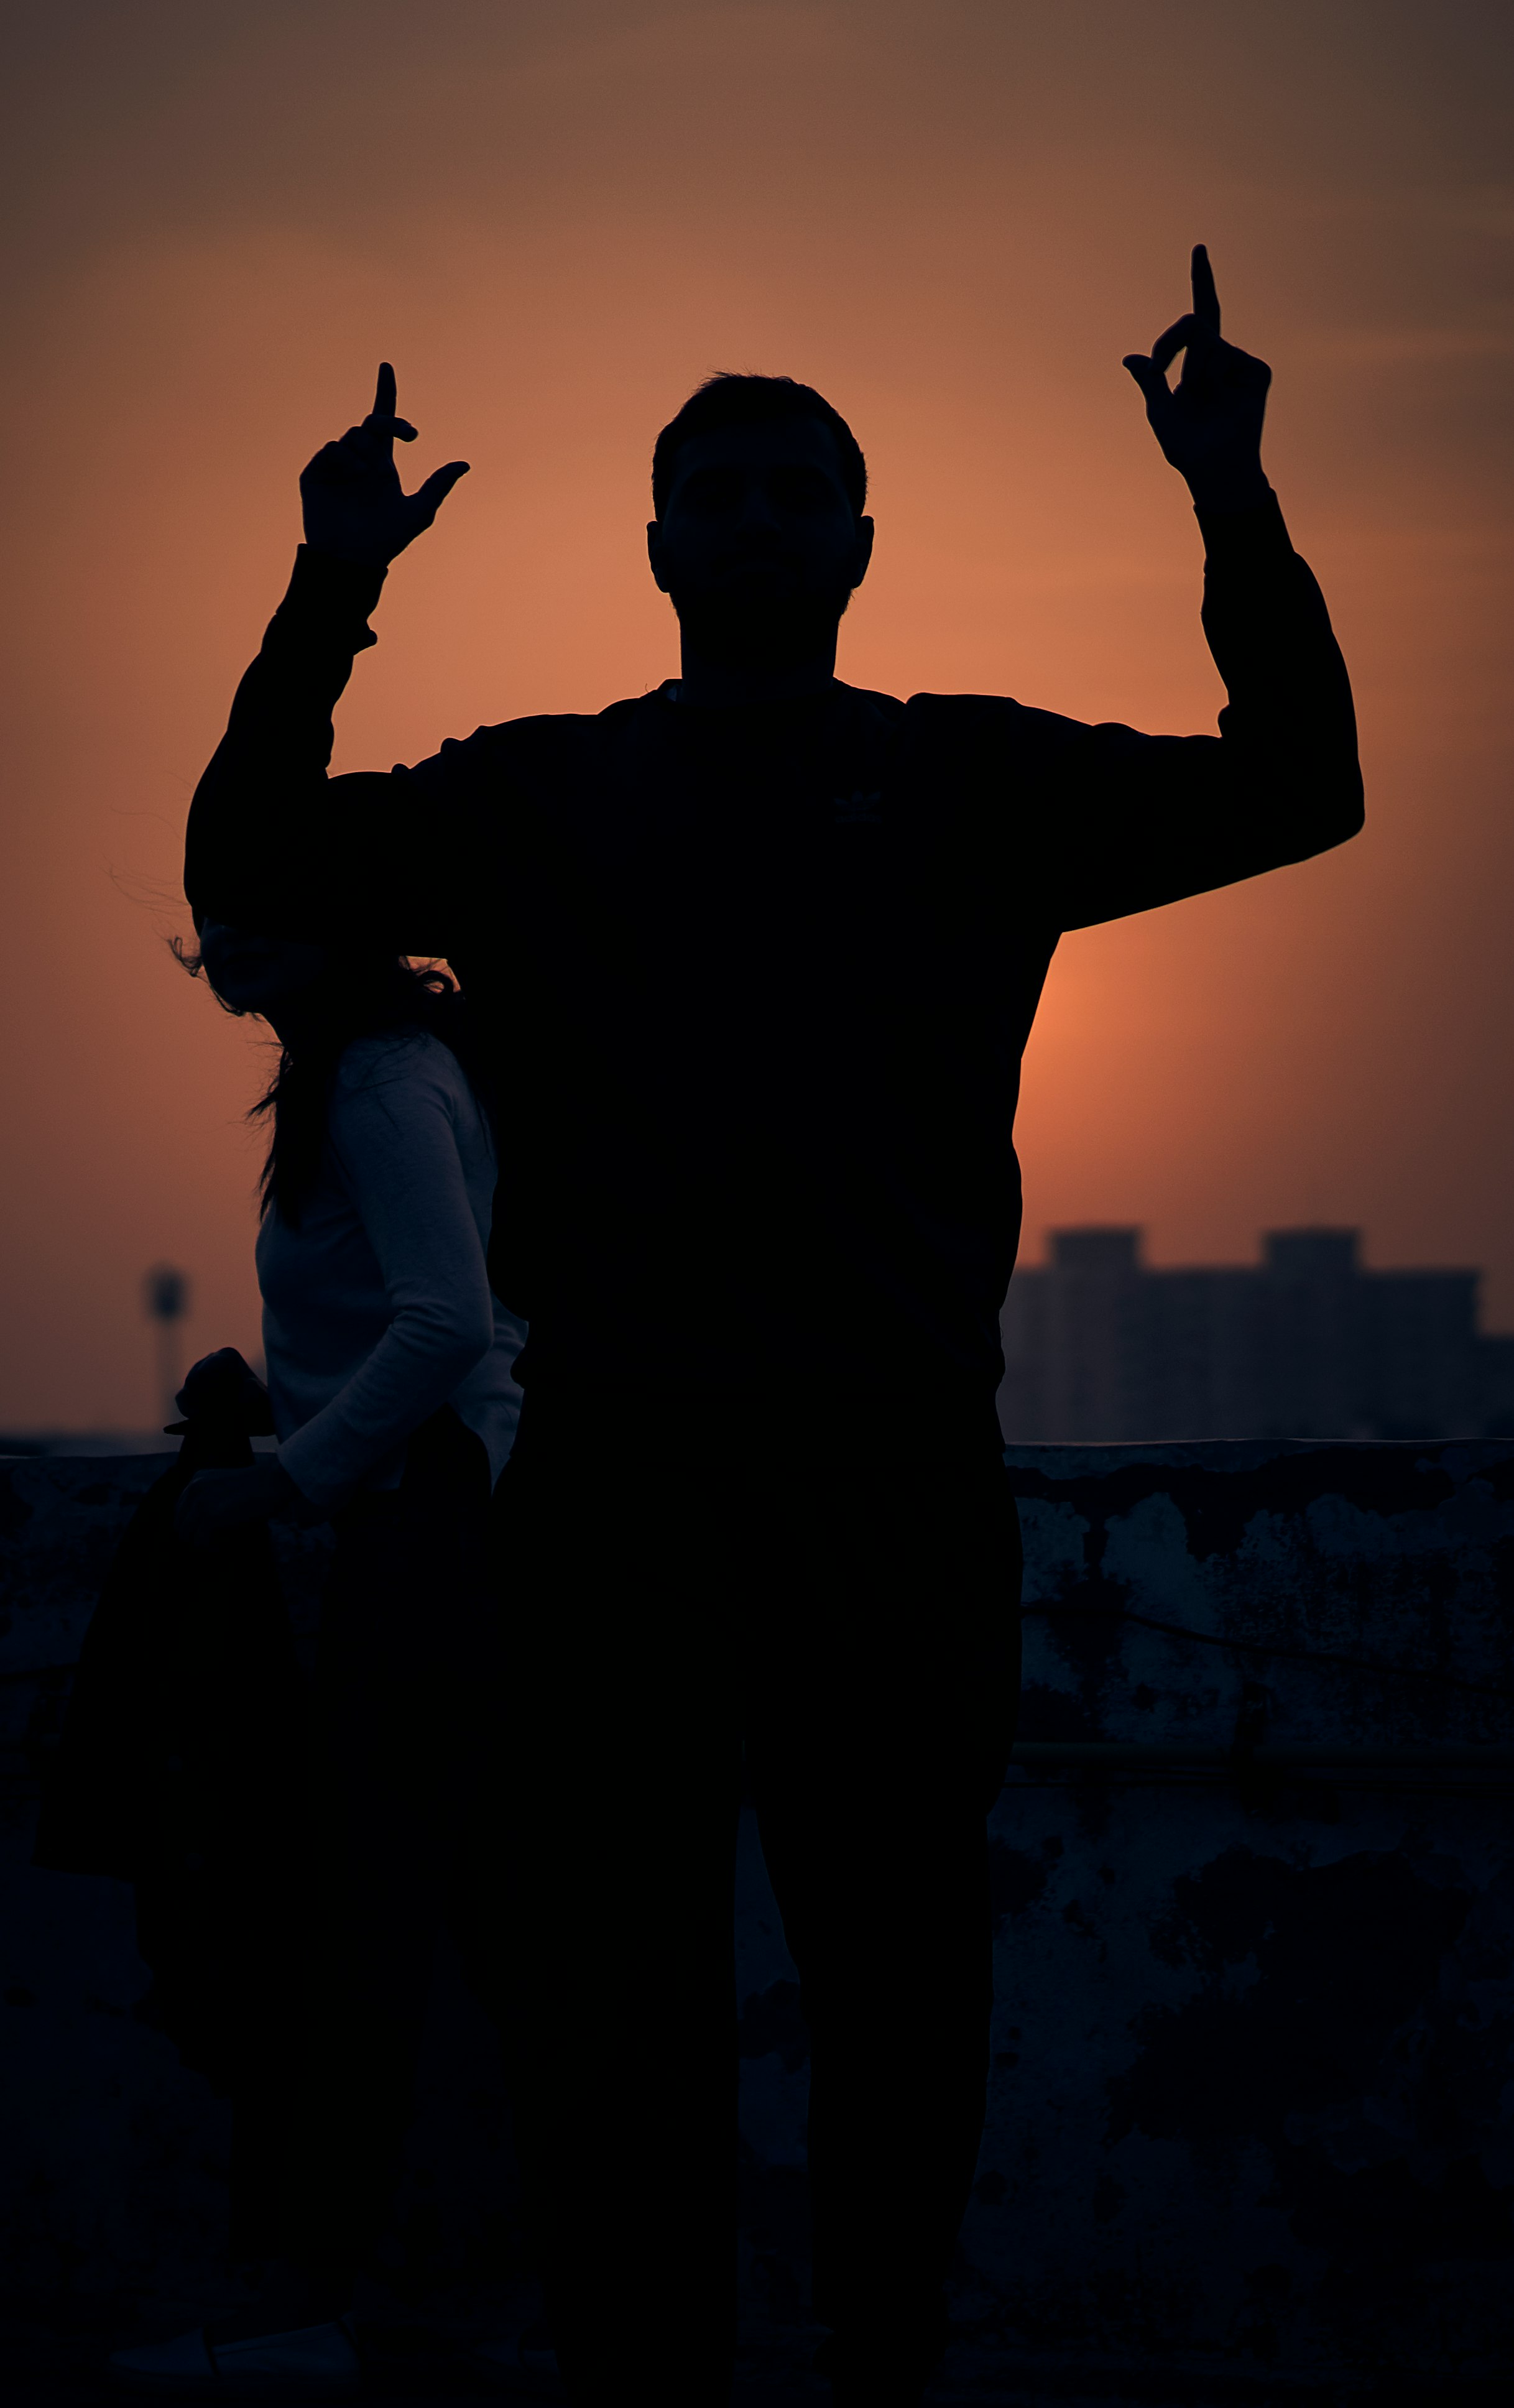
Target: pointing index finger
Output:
[
  {"x": 1205, "y": 299},
  {"x": 379, "y": 427}
]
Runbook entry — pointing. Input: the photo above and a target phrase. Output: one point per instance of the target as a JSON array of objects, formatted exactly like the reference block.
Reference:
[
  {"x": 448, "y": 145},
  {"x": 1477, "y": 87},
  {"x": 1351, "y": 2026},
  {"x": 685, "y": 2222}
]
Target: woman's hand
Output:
[
  {"x": 1211, "y": 426},
  {"x": 356, "y": 507},
  {"x": 216, "y": 1502}
]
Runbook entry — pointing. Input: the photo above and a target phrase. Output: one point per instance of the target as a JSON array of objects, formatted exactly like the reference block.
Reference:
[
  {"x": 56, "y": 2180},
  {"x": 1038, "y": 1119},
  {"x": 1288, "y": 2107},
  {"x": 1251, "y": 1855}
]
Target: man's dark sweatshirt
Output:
[{"x": 756, "y": 984}]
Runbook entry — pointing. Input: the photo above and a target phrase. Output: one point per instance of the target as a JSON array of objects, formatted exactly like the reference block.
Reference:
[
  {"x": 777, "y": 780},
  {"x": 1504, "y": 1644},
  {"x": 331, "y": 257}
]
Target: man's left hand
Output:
[
  {"x": 216, "y": 1502},
  {"x": 1211, "y": 426}
]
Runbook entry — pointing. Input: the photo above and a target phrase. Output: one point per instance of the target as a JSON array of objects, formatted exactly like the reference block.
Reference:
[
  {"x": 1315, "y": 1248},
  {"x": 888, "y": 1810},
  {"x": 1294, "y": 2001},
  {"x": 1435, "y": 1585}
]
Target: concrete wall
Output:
[{"x": 1252, "y": 2109}]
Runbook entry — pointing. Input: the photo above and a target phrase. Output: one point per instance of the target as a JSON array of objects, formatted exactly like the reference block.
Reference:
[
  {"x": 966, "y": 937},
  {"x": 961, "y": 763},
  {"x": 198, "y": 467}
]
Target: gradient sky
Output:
[{"x": 555, "y": 216}]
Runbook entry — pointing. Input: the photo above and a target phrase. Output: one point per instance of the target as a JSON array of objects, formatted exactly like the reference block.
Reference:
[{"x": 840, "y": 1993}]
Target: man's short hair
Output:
[{"x": 726, "y": 400}]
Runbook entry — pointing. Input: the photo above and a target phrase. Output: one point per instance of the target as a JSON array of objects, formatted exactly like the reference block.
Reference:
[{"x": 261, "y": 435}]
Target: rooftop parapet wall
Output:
[
  {"x": 1306, "y": 1595},
  {"x": 1253, "y": 1877}
]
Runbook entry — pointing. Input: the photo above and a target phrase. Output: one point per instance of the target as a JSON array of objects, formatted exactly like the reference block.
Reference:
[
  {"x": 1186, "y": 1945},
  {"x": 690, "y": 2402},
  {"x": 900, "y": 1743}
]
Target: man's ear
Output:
[
  {"x": 865, "y": 549},
  {"x": 654, "y": 554}
]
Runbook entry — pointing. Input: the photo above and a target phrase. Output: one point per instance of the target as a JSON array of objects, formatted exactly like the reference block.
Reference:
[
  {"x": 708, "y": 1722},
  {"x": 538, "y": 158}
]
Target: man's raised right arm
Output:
[{"x": 273, "y": 842}]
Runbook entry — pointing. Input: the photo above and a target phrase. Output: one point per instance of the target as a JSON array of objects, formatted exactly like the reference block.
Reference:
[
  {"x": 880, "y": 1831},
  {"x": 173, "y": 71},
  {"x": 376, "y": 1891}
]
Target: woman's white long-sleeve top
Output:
[{"x": 375, "y": 1307}]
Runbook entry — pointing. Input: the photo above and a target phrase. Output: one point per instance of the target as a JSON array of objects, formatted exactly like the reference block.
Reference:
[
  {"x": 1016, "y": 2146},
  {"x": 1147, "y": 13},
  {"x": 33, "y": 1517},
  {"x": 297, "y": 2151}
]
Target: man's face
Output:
[{"x": 757, "y": 545}]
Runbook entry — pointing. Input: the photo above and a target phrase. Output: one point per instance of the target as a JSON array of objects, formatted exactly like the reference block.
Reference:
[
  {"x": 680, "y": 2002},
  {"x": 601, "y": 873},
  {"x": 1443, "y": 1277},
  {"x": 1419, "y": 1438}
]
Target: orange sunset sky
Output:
[{"x": 554, "y": 217}]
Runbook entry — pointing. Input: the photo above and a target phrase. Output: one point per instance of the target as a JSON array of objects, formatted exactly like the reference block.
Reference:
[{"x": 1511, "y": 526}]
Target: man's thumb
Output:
[
  {"x": 1146, "y": 373},
  {"x": 432, "y": 495}
]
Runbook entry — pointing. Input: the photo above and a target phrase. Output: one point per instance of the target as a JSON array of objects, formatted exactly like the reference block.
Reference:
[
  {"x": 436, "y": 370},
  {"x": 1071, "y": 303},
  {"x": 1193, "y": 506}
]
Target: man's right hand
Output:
[{"x": 354, "y": 507}]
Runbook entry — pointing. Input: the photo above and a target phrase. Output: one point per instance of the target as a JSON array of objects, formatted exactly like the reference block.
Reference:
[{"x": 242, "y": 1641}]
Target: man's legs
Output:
[
  {"x": 616, "y": 1799},
  {"x": 883, "y": 1667}
]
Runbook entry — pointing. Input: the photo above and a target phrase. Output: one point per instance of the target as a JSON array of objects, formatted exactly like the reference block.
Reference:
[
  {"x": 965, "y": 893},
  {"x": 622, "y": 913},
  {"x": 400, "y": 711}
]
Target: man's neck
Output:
[{"x": 706, "y": 685}]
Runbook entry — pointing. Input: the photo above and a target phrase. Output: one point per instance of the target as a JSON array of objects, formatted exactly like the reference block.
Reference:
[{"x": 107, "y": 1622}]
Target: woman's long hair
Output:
[{"x": 361, "y": 994}]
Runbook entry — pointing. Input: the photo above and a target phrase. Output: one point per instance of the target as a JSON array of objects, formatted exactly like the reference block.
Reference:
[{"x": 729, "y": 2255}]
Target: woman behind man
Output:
[{"x": 389, "y": 1370}]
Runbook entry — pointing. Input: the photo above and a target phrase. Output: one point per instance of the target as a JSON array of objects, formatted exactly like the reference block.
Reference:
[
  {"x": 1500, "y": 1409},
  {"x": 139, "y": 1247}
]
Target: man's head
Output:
[{"x": 760, "y": 536}]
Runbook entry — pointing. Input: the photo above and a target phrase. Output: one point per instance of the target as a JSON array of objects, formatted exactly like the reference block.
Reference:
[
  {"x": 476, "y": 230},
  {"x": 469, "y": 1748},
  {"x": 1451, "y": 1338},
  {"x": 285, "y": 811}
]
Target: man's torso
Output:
[{"x": 758, "y": 1009}]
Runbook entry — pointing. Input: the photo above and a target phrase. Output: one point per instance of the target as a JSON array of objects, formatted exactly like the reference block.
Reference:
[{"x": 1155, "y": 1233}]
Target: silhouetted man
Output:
[{"x": 760, "y": 953}]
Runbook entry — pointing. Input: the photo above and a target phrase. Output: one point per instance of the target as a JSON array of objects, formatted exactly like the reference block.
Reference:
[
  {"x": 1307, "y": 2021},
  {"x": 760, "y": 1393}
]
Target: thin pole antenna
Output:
[{"x": 165, "y": 1294}]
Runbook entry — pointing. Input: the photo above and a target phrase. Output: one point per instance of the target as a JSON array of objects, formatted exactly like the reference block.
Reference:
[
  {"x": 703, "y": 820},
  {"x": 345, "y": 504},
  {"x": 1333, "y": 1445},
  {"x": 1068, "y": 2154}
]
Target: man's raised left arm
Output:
[{"x": 1124, "y": 820}]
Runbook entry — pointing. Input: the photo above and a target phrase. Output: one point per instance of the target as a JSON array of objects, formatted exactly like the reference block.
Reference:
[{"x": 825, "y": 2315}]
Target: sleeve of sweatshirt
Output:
[
  {"x": 274, "y": 844},
  {"x": 393, "y": 1130},
  {"x": 1105, "y": 820}
]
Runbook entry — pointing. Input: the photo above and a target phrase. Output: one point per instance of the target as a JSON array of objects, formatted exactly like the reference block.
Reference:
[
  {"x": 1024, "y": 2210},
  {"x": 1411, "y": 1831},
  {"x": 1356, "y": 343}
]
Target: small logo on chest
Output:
[{"x": 858, "y": 810}]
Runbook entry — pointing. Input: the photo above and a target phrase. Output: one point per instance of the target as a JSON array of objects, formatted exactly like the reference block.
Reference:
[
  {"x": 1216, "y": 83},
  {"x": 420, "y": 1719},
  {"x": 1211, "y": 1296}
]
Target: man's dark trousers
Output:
[{"x": 849, "y": 1621}]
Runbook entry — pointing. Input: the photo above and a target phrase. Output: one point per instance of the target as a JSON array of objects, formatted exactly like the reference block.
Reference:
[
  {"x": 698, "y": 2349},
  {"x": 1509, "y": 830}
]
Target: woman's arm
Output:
[
  {"x": 394, "y": 1131},
  {"x": 391, "y": 1122}
]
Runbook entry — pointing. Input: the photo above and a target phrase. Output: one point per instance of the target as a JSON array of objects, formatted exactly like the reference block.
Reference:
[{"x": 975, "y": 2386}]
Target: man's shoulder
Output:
[
  {"x": 935, "y": 729},
  {"x": 538, "y": 751},
  {"x": 992, "y": 733},
  {"x": 650, "y": 709},
  {"x": 964, "y": 710},
  {"x": 567, "y": 727},
  {"x": 936, "y": 710},
  {"x": 550, "y": 736}
]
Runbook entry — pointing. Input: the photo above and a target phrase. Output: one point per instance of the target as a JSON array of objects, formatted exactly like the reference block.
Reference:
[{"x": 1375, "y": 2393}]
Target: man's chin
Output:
[{"x": 751, "y": 631}]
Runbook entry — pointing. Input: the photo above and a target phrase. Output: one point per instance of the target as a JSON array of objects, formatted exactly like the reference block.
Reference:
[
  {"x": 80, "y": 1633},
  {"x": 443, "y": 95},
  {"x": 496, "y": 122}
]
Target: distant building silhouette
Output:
[{"x": 1306, "y": 1344}]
